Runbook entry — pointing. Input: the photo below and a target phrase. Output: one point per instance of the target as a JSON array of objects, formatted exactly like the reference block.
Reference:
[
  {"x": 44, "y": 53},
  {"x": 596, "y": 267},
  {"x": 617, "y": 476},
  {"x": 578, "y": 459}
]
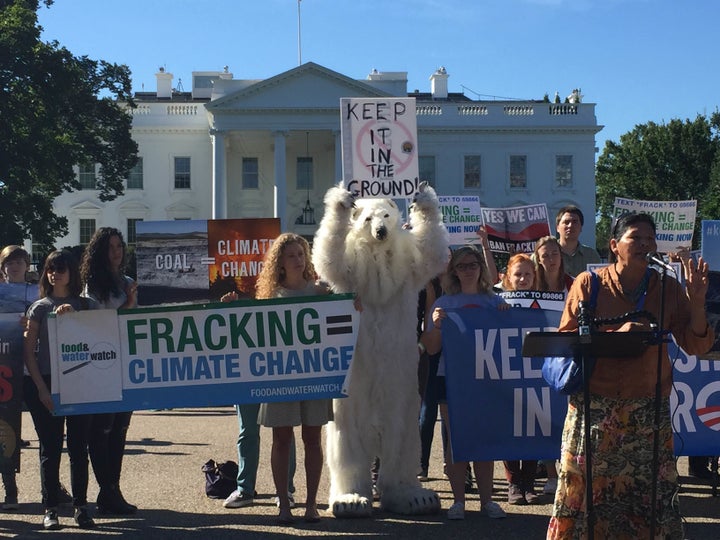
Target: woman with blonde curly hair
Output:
[{"x": 288, "y": 272}]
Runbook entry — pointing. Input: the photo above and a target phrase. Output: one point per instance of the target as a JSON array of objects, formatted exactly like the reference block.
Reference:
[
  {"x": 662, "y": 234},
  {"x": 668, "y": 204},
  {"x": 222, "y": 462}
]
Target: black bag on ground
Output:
[{"x": 220, "y": 478}]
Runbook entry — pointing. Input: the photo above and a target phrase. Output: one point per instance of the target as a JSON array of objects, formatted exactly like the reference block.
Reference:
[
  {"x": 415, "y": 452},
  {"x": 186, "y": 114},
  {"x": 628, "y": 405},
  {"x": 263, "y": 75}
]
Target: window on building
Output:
[
  {"x": 250, "y": 173},
  {"x": 563, "y": 171},
  {"x": 135, "y": 178},
  {"x": 87, "y": 177},
  {"x": 131, "y": 235},
  {"x": 304, "y": 173},
  {"x": 518, "y": 171},
  {"x": 87, "y": 229},
  {"x": 182, "y": 173},
  {"x": 426, "y": 165},
  {"x": 472, "y": 172}
]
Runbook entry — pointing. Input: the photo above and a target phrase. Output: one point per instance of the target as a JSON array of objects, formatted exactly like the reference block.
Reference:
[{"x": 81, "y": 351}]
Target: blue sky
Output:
[{"x": 638, "y": 60}]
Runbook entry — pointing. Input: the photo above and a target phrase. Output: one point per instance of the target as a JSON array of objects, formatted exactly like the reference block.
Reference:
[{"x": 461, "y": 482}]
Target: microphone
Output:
[
  {"x": 656, "y": 259},
  {"x": 585, "y": 321}
]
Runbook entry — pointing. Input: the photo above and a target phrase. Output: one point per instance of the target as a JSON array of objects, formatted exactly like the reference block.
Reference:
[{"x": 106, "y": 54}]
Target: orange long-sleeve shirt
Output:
[{"x": 635, "y": 377}]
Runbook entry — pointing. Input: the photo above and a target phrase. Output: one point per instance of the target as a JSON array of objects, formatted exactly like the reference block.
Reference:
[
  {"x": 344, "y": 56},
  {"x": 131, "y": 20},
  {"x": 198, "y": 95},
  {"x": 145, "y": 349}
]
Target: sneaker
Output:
[
  {"x": 83, "y": 519},
  {"x": 492, "y": 510},
  {"x": 238, "y": 499},
  {"x": 291, "y": 499},
  {"x": 456, "y": 511},
  {"x": 550, "y": 486},
  {"x": 530, "y": 496},
  {"x": 516, "y": 495},
  {"x": 10, "y": 504},
  {"x": 423, "y": 475},
  {"x": 51, "y": 521}
]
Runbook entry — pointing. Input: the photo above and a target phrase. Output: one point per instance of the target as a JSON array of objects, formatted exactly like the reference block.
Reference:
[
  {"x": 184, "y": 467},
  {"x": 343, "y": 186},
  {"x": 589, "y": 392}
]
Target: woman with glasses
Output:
[
  {"x": 466, "y": 284},
  {"x": 60, "y": 290}
]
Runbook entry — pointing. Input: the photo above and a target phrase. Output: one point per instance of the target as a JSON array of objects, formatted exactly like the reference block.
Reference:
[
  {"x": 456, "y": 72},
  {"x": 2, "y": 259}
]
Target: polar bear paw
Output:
[
  {"x": 338, "y": 198},
  {"x": 425, "y": 197},
  {"x": 412, "y": 501},
  {"x": 352, "y": 505}
]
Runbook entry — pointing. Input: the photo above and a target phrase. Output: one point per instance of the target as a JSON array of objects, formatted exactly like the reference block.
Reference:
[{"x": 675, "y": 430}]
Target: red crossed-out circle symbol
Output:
[{"x": 401, "y": 160}]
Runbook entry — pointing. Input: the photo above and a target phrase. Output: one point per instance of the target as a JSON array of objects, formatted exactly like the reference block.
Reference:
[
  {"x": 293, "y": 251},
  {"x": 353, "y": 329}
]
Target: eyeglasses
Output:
[
  {"x": 461, "y": 267},
  {"x": 56, "y": 269}
]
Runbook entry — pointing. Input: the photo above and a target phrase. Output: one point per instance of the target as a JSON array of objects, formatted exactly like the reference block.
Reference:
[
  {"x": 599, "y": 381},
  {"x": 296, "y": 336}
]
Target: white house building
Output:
[{"x": 234, "y": 148}]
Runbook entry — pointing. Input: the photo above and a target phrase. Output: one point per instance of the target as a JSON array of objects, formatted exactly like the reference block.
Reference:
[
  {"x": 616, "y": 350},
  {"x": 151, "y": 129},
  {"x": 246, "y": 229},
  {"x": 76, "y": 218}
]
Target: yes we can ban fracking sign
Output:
[
  {"x": 379, "y": 147},
  {"x": 202, "y": 355}
]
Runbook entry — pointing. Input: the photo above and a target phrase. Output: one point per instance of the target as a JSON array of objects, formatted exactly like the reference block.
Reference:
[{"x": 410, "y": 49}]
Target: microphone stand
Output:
[
  {"x": 658, "y": 401},
  {"x": 585, "y": 322}
]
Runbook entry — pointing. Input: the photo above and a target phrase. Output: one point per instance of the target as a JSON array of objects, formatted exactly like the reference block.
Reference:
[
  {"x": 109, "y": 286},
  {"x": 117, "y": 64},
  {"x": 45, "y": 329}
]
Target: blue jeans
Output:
[{"x": 248, "y": 449}]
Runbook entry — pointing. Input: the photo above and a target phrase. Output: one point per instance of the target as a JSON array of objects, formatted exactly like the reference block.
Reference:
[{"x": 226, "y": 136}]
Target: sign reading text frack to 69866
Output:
[{"x": 379, "y": 147}]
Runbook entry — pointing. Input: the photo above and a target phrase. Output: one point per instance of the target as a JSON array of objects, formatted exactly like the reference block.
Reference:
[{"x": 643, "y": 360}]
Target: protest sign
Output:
[
  {"x": 283, "y": 349},
  {"x": 11, "y": 377},
  {"x": 516, "y": 229},
  {"x": 535, "y": 299},
  {"x": 461, "y": 216},
  {"x": 379, "y": 146},
  {"x": 487, "y": 373},
  {"x": 200, "y": 260},
  {"x": 674, "y": 220},
  {"x": 710, "y": 236},
  {"x": 15, "y": 298}
]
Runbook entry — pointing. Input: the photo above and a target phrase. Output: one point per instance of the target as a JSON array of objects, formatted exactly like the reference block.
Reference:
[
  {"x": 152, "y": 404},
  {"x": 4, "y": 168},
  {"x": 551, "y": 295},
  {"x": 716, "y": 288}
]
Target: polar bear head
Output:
[{"x": 375, "y": 219}]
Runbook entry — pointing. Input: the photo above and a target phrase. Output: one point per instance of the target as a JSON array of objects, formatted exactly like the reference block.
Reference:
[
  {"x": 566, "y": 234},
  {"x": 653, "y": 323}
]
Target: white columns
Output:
[
  {"x": 338, "y": 157},
  {"x": 219, "y": 180},
  {"x": 280, "y": 191}
]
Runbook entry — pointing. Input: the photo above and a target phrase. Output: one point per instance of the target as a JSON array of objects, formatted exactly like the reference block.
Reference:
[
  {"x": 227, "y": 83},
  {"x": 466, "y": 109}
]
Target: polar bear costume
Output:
[{"x": 361, "y": 247}]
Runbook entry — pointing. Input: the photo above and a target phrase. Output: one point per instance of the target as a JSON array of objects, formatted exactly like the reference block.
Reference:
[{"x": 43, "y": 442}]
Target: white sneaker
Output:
[
  {"x": 492, "y": 510},
  {"x": 456, "y": 511},
  {"x": 550, "y": 486},
  {"x": 238, "y": 499},
  {"x": 291, "y": 498}
]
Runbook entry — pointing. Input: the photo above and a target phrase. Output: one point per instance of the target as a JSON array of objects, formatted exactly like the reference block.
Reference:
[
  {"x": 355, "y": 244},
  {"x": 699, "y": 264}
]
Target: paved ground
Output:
[{"x": 162, "y": 476}]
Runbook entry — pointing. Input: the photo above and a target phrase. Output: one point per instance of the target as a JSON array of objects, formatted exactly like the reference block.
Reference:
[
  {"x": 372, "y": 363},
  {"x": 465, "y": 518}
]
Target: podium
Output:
[
  {"x": 582, "y": 347},
  {"x": 599, "y": 344}
]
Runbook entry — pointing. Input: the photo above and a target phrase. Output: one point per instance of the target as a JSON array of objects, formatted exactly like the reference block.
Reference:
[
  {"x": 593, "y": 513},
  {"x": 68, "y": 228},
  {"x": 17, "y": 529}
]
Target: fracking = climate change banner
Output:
[{"x": 284, "y": 349}]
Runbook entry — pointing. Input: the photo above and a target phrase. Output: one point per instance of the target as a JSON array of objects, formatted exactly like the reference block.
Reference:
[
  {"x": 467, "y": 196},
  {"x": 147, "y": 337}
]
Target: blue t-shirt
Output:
[{"x": 488, "y": 301}]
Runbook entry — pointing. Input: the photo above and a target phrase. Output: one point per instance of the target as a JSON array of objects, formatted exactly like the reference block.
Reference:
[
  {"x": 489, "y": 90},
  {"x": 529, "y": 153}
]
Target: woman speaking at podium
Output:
[{"x": 622, "y": 396}]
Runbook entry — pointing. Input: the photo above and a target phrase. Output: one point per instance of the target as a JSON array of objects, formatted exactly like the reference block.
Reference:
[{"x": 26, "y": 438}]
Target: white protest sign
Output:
[
  {"x": 674, "y": 220},
  {"x": 379, "y": 147},
  {"x": 88, "y": 366},
  {"x": 461, "y": 216}
]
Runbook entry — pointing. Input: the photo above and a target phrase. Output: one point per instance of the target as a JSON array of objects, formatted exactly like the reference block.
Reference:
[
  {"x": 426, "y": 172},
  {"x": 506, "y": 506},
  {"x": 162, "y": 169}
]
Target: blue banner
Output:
[
  {"x": 499, "y": 404},
  {"x": 502, "y": 409}
]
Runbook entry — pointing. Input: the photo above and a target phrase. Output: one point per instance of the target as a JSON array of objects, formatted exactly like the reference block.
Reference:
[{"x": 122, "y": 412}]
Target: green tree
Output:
[
  {"x": 56, "y": 111},
  {"x": 679, "y": 160}
]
